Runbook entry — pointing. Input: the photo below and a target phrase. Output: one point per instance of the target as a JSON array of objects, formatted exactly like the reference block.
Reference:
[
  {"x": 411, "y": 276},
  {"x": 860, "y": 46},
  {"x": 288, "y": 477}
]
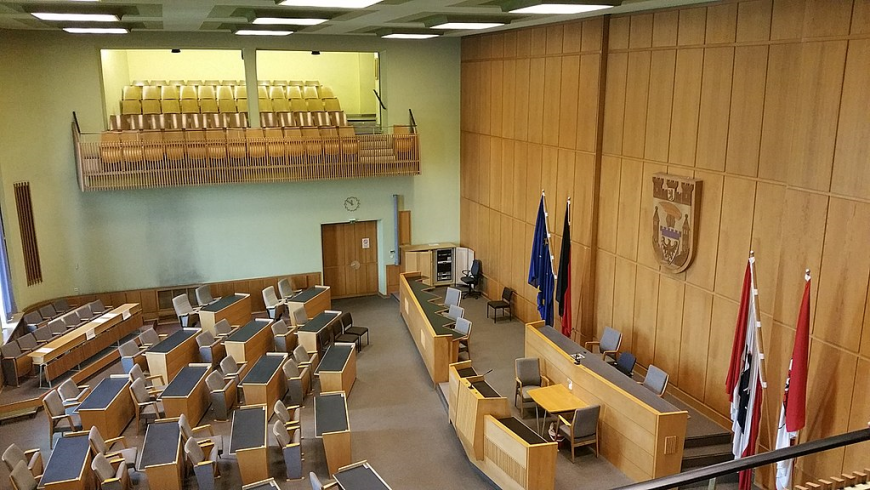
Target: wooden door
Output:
[{"x": 350, "y": 258}]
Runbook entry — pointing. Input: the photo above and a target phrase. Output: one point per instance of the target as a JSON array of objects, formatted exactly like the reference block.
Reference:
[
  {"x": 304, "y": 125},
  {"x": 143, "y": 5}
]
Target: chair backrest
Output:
[
  {"x": 626, "y": 362},
  {"x": 223, "y": 327},
  {"x": 281, "y": 434},
  {"x": 42, "y": 334},
  {"x": 298, "y": 316},
  {"x": 68, "y": 390},
  {"x": 182, "y": 306},
  {"x": 136, "y": 373},
  {"x": 53, "y": 404},
  {"x": 57, "y": 326},
  {"x": 285, "y": 288},
  {"x": 128, "y": 348},
  {"x": 12, "y": 455},
  {"x": 301, "y": 354},
  {"x": 315, "y": 482},
  {"x": 269, "y": 297},
  {"x": 98, "y": 444},
  {"x": 204, "y": 339},
  {"x": 149, "y": 336},
  {"x": 346, "y": 320},
  {"x": 97, "y": 306},
  {"x": 10, "y": 350},
  {"x": 27, "y": 342},
  {"x": 228, "y": 365},
  {"x": 656, "y": 380},
  {"x": 291, "y": 369},
  {"x": 610, "y": 339},
  {"x": 281, "y": 411},
  {"x": 84, "y": 313},
  {"x": 586, "y": 421},
  {"x": 184, "y": 427},
  {"x": 455, "y": 312},
  {"x": 280, "y": 328},
  {"x": 453, "y": 297},
  {"x": 71, "y": 319},
  {"x": 33, "y": 318},
  {"x": 47, "y": 312},
  {"x": 203, "y": 295},
  {"x": 22, "y": 478},
  {"x": 61, "y": 305},
  {"x": 475, "y": 268},
  {"x": 215, "y": 381},
  {"x": 102, "y": 468},
  {"x": 139, "y": 391},
  {"x": 507, "y": 294},
  {"x": 528, "y": 371},
  {"x": 194, "y": 452},
  {"x": 463, "y": 326}
]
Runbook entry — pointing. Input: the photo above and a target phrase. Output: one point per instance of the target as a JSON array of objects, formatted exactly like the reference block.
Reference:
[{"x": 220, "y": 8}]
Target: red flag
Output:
[
  {"x": 796, "y": 396},
  {"x": 563, "y": 283}
]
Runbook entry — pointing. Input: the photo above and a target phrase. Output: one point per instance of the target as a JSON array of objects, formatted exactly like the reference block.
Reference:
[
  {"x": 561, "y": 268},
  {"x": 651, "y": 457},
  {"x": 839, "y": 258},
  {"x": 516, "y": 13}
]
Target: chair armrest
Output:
[
  {"x": 591, "y": 343},
  {"x": 564, "y": 421},
  {"x": 545, "y": 381},
  {"x": 121, "y": 439},
  {"x": 605, "y": 353},
  {"x": 207, "y": 447},
  {"x": 293, "y": 407},
  {"x": 152, "y": 377},
  {"x": 201, "y": 428},
  {"x": 330, "y": 484},
  {"x": 71, "y": 403}
]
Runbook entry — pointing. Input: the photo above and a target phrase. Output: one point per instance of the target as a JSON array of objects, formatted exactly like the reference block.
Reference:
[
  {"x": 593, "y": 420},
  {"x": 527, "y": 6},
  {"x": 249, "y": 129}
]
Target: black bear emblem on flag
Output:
[{"x": 674, "y": 220}]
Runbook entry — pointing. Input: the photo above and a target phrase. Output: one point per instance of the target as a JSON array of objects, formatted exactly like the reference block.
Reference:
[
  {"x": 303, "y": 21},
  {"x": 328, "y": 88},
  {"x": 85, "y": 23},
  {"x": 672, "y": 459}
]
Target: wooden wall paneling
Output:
[
  {"x": 534, "y": 180},
  {"x": 608, "y": 203},
  {"x": 614, "y": 102},
  {"x": 640, "y": 31},
  {"x": 665, "y": 28},
  {"x": 552, "y": 99},
  {"x": 510, "y": 44},
  {"x": 593, "y": 34},
  {"x": 735, "y": 235},
  {"x": 646, "y": 295},
  {"x": 496, "y": 88},
  {"x": 587, "y": 106},
  {"x": 715, "y": 105},
  {"x": 405, "y": 227},
  {"x": 524, "y": 43},
  {"x": 566, "y": 166},
  {"x": 519, "y": 194},
  {"x": 148, "y": 298},
  {"x": 865, "y": 337},
  {"x": 777, "y": 349},
  {"x": 686, "y": 105},
  {"x": 753, "y": 21},
  {"x": 645, "y": 253},
  {"x": 464, "y": 224},
  {"x": 509, "y": 95},
  {"x": 476, "y": 142},
  {"x": 669, "y": 326},
  {"x": 494, "y": 251},
  {"x": 555, "y": 37},
  {"x": 583, "y": 199},
  {"x": 851, "y": 174},
  {"x": 694, "y": 341},
  {"x": 465, "y": 163},
  {"x": 466, "y": 86},
  {"x": 692, "y": 26},
  {"x": 766, "y": 243},
  {"x": 497, "y": 45},
  {"x": 842, "y": 281},
  {"x": 604, "y": 275},
  {"x": 569, "y": 98},
  {"x": 821, "y": 80},
  {"x": 803, "y": 228},
  {"x": 582, "y": 301},
  {"x": 702, "y": 272},
  {"x": 506, "y": 167},
  {"x": 856, "y": 455},
  {"x": 721, "y": 23},
  {"x": 485, "y": 100},
  {"x": 536, "y": 99},
  {"x": 519, "y": 263},
  {"x": 473, "y": 227},
  {"x": 787, "y": 20},
  {"x": 827, "y": 18},
  {"x": 630, "y": 190},
  {"x": 120, "y": 297},
  {"x": 572, "y": 39},
  {"x": 521, "y": 105},
  {"x": 484, "y": 160},
  {"x": 625, "y": 280},
  {"x": 496, "y": 173},
  {"x": 485, "y": 47},
  {"x": 539, "y": 41},
  {"x": 747, "y": 109},
  {"x": 719, "y": 352},
  {"x": 861, "y": 17},
  {"x": 636, "y": 96},
  {"x": 549, "y": 177},
  {"x": 618, "y": 33},
  {"x": 781, "y": 105},
  {"x": 222, "y": 289},
  {"x": 661, "y": 95}
]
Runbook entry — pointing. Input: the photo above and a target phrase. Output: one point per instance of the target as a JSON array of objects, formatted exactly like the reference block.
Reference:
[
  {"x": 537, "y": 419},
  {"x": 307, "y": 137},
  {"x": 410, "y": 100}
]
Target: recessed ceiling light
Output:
[
  {"x": 467, "y": 25},
  {"x": 409, "y": 36},
  {"x": 341, "y": 4},
  {"x": 559, "y": 9},
  {"x": 96, "y": 30},
  {"x": 250, "y": 32},
  {"x": 289, "y": 21},
  {"x": 76, "y": 17}
]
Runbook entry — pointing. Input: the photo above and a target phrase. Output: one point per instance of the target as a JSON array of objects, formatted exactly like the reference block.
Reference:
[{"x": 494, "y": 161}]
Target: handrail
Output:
[{"x": 731, "y": 467}]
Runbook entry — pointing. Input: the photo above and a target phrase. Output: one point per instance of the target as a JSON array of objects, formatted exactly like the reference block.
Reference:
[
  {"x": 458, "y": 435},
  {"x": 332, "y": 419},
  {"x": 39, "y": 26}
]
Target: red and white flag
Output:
[
  {"x": 744, "y": 384},
  {"x": 792, "y": 417}
]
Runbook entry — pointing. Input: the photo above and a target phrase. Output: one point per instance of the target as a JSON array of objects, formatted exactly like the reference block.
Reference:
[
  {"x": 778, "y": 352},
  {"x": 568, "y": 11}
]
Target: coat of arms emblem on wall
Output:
[{"x": 674, "y": 220}]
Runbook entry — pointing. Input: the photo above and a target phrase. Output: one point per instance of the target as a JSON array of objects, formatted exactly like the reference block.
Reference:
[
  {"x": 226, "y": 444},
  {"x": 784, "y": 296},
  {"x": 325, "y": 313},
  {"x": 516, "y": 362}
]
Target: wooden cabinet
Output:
[{"x": 440, "y": 263}]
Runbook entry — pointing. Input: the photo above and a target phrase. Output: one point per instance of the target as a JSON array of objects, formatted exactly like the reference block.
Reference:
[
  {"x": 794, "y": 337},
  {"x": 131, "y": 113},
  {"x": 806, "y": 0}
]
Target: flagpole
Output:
[
  {"x": 547, "y": 229},
  {"x": 762, "y": 371}
]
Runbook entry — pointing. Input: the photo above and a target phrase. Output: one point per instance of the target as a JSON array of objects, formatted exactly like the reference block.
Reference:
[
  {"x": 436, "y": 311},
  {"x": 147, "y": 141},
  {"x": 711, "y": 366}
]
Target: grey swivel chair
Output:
[
  {"x": 528, "y": 377},
  {"x": 210, "y": 349},
  {"x": 203, "y": 295},
  {"x": 288, "y": 416},
  {"x": 453, "y": 297},
  {"x": 298, "y": 381},
  {"x": 145, "y": 407},
  {"x": 101, "y": 446},
  {"x": 656, "y": 380},
  {"x": 187, "y": 315},
  {"x": 609, "y": 344},
  {"x": 274, "y": 307},
  {"x": 131, "y": 355},
  {"x": 203, "y": 435},
  {"x": 582, "y": 429},
  {"x": 206, "y": 470},
  {"x": 455, "y": 312},
  {"x": 56, "y": 413},
  {"x": 291, "y": 449},
  {"x": 22, "y": 478},
  {"x": 285, "y": 339},
  {"x": 149, "y": 337},
  {"x": 71, "y": 394},
  {"x": 108, "y": 477},
  {"x": 31, "y": 457},
  {"x": 224, "y": 394}
]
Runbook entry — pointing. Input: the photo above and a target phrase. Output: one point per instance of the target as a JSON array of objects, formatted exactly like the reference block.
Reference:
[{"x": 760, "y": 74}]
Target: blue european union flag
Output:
[{"x": 541, "y": 268}]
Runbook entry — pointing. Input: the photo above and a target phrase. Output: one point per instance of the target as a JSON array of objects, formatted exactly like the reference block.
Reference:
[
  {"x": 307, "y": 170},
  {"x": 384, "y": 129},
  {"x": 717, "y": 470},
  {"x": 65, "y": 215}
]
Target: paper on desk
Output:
[{"x": 90, "y": 334}]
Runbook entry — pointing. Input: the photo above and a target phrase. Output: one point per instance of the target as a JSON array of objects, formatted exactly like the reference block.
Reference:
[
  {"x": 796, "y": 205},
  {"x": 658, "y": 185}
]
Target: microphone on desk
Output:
[{"x": 484, "y": 374}]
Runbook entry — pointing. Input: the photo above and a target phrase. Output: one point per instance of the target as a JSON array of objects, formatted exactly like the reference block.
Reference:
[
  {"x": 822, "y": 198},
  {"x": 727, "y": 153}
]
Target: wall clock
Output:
[{"x": 351, "y": 203}]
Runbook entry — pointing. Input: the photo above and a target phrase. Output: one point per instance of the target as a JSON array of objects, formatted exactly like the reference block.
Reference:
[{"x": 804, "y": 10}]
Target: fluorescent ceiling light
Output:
[
  {"x": 77, "y": 17},
  {"x": 249, "y": 32},
  {"x": 289, "y": 21},
  {"x": 467, "y": 25},
  {"x": 341, "y": 4},
  {"x": 559, "y": 8},
  {"x": 96, "y": 30},
  {"x": 409, "y": 36}
]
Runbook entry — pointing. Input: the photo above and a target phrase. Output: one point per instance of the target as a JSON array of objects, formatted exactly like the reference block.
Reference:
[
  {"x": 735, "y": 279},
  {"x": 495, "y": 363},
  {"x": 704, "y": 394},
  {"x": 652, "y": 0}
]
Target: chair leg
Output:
[{"x": 573, "y": 450}]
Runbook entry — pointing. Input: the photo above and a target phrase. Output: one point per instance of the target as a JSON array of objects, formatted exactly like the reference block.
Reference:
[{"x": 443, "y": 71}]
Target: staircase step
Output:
[
  {"x": 695, "y": 457},
  {"x": 710, "y": 439}
]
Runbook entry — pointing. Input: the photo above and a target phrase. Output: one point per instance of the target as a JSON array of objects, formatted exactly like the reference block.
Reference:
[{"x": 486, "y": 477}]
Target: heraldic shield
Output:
[{"x": 674, "y": 220}]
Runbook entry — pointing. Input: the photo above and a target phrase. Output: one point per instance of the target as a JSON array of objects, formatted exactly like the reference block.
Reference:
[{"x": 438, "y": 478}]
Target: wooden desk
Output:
[
  {"x": 475, "y": 400},
  {"x": 309, "y": 333},
  {"x": 360, "y": 476},
  {"x": 161, "y": 456},
  {"x": 235, "y": 309},
  {"x": 517, "y": 457},
  {"x": 265, "y": 382},
  {"x": 251, "y": 341},
  {"x": 69, "y": 467},
  {"x": 555, "y": 399},
  {"x": 337, "y": 369},
  {"x": 458, "y": 371},
  {"x": 170, "y": 355},
  {"x": 249, "y": 441},
  {"x": 428, "y": 327},
  {"x": 187, "y": 393},
  {"x": 640, "y": 433},
  {"x": 108, "y": 407},
  {"x": 316, "y": 300},
  {"x": 81, "y": 343},
  {"x": 268, "y": 484},
  {"x": 333, "y": 426}
]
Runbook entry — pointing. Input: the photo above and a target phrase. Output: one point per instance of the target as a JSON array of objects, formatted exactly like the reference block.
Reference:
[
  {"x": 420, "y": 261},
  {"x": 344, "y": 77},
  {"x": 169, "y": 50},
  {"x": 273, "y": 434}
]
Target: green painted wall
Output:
[{"x": 107, "y": 241}]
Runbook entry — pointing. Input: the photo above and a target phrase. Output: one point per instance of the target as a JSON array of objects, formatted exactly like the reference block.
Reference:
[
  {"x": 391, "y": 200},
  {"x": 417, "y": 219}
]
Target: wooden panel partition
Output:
[{"x": 24, "y": 206}]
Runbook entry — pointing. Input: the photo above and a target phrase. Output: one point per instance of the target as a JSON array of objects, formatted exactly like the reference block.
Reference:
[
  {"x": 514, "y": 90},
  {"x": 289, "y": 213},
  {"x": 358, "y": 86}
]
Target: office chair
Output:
[
  {"x": 625, "y": 363},
  {"x": 471, "y": 279}
]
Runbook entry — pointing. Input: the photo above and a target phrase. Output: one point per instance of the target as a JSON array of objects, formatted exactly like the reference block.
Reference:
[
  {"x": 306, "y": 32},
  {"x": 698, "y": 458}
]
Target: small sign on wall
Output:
[{"x": 365, "y": 243}]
